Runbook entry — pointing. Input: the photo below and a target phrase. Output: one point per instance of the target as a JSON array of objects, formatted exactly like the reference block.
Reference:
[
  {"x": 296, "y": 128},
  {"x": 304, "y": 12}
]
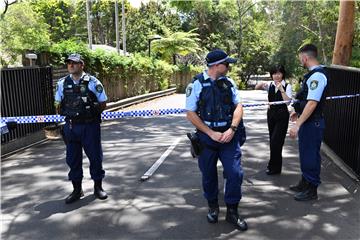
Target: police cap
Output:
[
  {"x": 75, "y": 57},
  {"x": 218, "y": 56}
]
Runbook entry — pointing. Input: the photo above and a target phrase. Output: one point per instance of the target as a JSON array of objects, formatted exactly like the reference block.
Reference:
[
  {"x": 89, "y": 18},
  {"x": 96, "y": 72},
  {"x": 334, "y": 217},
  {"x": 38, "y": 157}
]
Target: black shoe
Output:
[
  {"x": 213, "y": 214},
  {"x": 301, "y": 186},
  {"x": 76, "y": 194},
  {"x": 272, "y": 172},
  {"x": 232, "y": 216},
  {"x": 99, "y": 191},
  {"x": 310, "y": 193}
]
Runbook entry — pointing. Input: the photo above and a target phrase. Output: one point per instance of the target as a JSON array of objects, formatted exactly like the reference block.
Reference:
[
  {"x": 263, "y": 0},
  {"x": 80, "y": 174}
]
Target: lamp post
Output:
[{"x": 155, "y": 37}]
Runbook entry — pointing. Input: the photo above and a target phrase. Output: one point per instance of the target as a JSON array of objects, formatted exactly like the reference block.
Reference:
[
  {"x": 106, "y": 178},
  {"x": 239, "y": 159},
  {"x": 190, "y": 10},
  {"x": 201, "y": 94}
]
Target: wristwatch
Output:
[{"x": 234, "y": 128}]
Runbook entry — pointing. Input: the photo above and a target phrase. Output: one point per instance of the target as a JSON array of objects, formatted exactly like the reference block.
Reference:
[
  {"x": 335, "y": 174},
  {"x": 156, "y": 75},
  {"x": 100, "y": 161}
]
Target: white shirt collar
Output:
[
  {"x": 77, "y": 81},
  {"x": 206, "y": 75},
  {"x": 316, "y": 66}
]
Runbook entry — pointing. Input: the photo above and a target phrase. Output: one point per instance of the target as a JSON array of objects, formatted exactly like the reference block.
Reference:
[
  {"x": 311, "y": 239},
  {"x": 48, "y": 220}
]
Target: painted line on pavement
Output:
[{"x": 157, "y": 164}]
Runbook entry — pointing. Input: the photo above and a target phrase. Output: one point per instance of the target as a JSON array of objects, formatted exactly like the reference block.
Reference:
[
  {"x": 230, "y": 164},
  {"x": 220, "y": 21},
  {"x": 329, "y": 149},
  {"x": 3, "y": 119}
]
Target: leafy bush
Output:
[{"x": 140, "y": 73}]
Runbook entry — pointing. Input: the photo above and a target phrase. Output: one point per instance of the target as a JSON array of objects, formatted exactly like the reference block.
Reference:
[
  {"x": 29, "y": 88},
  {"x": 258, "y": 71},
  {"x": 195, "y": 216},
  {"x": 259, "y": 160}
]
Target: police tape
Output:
[
  {"x": 138, "y": 113},
  {"x": 294, "y": 101}
]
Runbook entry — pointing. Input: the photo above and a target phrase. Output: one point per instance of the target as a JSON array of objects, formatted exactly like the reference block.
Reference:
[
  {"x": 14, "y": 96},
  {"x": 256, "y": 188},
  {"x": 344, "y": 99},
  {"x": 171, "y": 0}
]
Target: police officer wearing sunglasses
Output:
[{"x": 214, "y": 108}]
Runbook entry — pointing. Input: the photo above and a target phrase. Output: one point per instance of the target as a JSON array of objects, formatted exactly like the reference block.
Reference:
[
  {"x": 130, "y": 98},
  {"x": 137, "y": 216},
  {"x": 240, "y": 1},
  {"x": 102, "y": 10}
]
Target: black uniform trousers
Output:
[{"x": 278, "y": 121}]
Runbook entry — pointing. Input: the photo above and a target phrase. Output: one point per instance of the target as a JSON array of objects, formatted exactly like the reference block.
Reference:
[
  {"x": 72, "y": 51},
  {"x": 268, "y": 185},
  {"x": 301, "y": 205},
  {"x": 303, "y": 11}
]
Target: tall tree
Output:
[
  {"x": 345, "y": 33},
  {"x": 150, "y": 19},
  {"x": 57, "y": 14},
  {"x": 21, "y": 29}
]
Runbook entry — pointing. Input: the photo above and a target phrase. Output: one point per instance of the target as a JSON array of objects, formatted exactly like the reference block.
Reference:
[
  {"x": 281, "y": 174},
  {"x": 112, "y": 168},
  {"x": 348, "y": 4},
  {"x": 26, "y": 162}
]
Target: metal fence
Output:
[
  {"x": 26, "y": 91},
  {"x": 342, "y": 116}
]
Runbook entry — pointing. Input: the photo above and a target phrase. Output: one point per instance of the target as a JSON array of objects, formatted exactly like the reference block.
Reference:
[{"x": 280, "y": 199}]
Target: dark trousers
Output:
[
  {"x": 230, "y": 157},
  {"x": 310, "y": 136},
  {"x": 87, "y": 136},
  {"x": 278, "y": 121}
]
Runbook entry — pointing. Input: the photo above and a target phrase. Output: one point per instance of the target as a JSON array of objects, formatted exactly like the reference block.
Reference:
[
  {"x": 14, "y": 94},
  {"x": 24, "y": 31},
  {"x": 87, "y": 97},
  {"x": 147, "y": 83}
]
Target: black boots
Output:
[
  {"x": 310, "y": 193},
  {"x": 301, "y": 186},
  {"x": 213, "y": 213},
  {"x": 232, "y": 216},
  {"x": 305, "y": 190},
  {"x": 99, "y": 191},
  {"x": 76, "y": 194}
]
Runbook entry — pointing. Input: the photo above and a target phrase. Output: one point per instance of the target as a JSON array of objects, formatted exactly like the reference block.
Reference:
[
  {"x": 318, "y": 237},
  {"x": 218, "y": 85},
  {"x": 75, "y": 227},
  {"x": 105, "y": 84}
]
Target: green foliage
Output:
[
  {"x": 258, "y": 33},
  {"x": 239, "y": 29},
  {"x": 57, "y": 14},
  {"x": 304, "y": 22},
  {"x": 138, "y": 71},
  {"x": 60, "y": 51},
  {"x": 21, "y": 30},
  {"x": 150, "y": 19},
  {"x": 234, "y": 74},
  {"x": 181, "y": 43},
  {"x": 189, "y": 68}
]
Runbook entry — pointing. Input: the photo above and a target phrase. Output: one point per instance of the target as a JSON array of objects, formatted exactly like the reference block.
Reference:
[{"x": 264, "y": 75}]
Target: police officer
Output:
[
  {"x": 81, "y": 98},
  {"x": 277, "y": 116},
  {"x": 310, "y": 123},
  {"x": 214, "y": 108}
]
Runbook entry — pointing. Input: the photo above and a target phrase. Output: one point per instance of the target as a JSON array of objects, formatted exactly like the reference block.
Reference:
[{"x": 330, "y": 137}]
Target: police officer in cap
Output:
[
  {"x": 309, "y": 123},
  {"x": 214, "y": 108},
  {"x": 81, "y": 98}
]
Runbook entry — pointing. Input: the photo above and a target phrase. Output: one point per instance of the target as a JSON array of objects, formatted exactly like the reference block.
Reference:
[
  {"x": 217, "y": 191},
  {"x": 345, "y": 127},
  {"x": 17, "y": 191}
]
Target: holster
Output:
[{"x": 196, "y": 147}]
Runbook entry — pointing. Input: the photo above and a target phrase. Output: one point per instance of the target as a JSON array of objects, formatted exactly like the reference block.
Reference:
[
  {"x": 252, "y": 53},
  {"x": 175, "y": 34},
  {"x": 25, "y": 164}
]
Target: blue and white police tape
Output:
[{"x": 137, "y": 113}]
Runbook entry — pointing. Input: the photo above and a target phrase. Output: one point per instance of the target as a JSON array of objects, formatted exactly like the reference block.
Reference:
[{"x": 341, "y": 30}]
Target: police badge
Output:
[
  {"x": 188, "y": 90},
  {"x": 82, "y": 89},
  {"x": 99, "y": 88},
  {"x": 314, "y": 84}
]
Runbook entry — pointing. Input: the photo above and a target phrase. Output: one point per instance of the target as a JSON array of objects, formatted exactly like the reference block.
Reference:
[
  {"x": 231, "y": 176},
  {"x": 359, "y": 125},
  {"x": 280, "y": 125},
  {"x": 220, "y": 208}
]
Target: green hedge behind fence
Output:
[{"x": 124, "y": 76}]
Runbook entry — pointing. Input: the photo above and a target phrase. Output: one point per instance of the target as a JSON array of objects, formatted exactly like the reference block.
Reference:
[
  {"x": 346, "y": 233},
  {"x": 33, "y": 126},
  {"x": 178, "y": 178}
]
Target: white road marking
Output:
[{"x": 157, "y": 164}]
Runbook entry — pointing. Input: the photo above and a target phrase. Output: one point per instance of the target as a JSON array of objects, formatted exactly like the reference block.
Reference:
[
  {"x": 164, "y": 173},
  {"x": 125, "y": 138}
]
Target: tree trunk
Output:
[{"x": 344, "y": 33}]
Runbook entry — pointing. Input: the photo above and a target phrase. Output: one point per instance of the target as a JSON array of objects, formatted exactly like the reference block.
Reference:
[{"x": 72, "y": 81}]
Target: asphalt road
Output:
[{"x": 170, "y": 204}]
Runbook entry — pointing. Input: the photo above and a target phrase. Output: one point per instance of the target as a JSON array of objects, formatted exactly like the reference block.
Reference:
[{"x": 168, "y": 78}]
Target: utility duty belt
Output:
[
  {"x": 82, "y": 120},
  {"x": 216, "y": 124}
]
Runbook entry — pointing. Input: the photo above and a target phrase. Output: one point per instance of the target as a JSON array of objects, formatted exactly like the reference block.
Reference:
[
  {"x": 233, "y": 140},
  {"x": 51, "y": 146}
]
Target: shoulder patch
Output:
[
  {"x": 314, "y": 84},
  {"x": 99, "y": 88},
  {"x": 189, "y": 89}
]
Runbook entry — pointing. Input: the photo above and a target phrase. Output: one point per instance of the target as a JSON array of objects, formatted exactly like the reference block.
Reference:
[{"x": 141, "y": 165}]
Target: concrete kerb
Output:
[{"x": 339, "y": 163}]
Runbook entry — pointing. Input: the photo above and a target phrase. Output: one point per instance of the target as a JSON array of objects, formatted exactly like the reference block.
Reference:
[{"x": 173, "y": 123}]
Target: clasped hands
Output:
[{"x": 224, "y": 137}]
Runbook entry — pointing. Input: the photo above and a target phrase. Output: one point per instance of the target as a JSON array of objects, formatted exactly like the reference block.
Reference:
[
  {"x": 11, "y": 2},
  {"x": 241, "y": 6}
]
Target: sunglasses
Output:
[
  {"x": 72, "y": 63},
  {"x": 226, "y": 64}
]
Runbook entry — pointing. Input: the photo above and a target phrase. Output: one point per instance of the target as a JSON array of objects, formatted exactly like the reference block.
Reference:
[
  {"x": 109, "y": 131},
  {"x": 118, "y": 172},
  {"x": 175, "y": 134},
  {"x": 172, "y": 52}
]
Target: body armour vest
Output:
[
  {"x": 273, "y": 97},
  {"x": 303, "y": 93},
  {"x": 215, "y": 102},
  {"x": 78, "y": 102}
]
